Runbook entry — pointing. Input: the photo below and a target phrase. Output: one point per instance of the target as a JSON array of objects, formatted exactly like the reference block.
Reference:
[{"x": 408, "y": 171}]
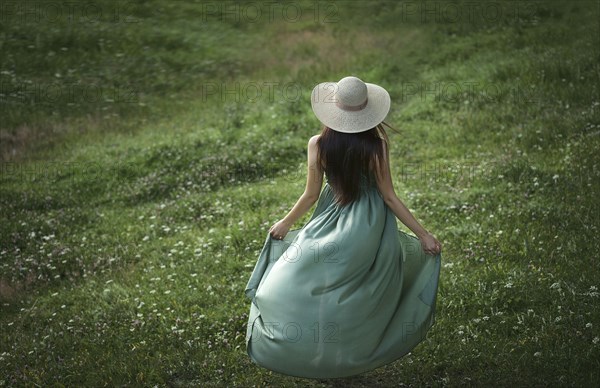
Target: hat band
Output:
[{"x": 352, "y": 108}]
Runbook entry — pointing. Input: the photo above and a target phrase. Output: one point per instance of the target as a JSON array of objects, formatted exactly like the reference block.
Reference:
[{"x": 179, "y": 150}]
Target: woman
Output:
[{"x": 348, "y": 292}]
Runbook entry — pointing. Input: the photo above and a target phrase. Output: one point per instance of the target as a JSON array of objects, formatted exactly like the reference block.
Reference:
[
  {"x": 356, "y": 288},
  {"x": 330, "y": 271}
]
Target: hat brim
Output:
[{"x": 324, "y": 105}]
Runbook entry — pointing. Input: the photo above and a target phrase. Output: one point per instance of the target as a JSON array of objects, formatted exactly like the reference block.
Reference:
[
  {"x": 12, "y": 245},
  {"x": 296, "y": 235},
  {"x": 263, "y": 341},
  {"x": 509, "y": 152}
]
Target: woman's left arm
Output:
[{"x": 314, "y": 181}]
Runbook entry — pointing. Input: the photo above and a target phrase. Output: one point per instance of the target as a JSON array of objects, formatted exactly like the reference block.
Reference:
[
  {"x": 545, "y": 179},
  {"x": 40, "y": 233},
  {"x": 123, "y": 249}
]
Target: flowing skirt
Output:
[{"x": 345, "y": 294}]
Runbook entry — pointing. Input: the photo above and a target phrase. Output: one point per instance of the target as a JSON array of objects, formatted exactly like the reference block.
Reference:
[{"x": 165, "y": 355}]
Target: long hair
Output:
[{"x": 345, "y": 156}]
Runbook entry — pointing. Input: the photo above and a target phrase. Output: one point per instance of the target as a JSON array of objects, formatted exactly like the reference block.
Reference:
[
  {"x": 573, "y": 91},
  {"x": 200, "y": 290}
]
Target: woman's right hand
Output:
[
  {"x": 430, "y": 244},
  {"x": 279, "y": 230}
]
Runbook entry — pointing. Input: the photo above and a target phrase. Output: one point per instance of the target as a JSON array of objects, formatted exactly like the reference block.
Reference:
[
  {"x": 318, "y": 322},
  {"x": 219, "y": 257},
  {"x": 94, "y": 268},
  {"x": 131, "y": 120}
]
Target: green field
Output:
[{"x": 147, "y": 147}]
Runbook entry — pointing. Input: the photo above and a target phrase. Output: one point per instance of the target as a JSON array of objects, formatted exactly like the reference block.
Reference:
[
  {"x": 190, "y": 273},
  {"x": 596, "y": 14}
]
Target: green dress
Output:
[{"x": 345, "y": 294}]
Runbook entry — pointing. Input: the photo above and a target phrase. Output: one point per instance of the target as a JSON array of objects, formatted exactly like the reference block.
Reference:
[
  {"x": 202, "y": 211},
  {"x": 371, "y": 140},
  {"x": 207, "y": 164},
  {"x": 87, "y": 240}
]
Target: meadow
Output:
[{"x": 147, "y": 147}]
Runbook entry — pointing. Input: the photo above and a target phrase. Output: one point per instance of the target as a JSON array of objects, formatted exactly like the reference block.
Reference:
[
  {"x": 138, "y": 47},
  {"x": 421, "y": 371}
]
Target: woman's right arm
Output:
[
  {"x": 386, "y": 188},
  {"x": 314, "y": 182}
]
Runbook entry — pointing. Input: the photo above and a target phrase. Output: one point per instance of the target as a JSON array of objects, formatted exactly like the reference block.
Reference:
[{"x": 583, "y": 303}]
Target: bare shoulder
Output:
[{"x": 313, "y": 140}]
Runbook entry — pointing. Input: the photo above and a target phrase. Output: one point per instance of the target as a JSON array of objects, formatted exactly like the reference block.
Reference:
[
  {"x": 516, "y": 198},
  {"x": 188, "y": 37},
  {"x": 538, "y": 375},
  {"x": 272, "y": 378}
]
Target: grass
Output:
[{"x": 129, "y": 226}]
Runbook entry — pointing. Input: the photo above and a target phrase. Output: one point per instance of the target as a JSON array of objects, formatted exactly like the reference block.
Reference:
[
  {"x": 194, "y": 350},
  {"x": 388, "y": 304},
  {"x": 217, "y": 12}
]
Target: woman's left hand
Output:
[
  {"x": 430, "y": 244},
  {"x": 279, "y": 230}
]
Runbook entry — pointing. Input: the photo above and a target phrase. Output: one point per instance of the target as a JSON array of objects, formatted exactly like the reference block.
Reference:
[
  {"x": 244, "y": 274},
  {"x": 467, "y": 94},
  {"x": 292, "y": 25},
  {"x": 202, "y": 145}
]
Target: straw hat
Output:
[{"x": 350, "y": 105}]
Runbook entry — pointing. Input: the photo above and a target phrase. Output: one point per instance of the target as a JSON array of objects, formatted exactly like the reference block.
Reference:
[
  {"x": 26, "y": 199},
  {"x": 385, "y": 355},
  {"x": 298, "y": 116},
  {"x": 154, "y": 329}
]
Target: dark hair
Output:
[{"x": 345, "y": 156}]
